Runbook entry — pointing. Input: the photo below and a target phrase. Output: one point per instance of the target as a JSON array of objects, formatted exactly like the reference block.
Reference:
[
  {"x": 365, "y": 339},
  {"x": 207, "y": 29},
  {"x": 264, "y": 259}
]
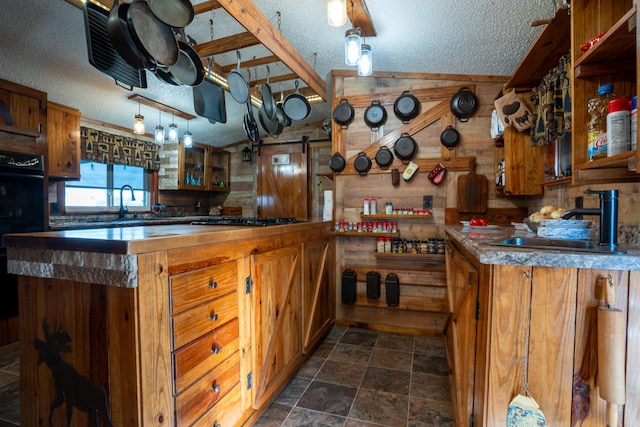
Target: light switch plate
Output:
[{"x": 427, "y": 202}]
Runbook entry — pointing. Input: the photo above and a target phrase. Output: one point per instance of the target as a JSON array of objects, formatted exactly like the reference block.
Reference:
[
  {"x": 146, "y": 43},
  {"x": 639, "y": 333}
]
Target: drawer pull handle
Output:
[
  {"x": 213, "y": 284},
  {"x": 213, "y": 316},
  {"x": 215, "y": 387},
  {"x": 215, "y": 349}
]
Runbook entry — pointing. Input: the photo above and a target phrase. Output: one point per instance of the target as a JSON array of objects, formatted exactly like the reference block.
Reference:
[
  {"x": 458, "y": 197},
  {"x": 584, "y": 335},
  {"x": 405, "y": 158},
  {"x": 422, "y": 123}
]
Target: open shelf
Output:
[
  {"x": 395, "y": 216},
  {"x": 363, "y": 234}
]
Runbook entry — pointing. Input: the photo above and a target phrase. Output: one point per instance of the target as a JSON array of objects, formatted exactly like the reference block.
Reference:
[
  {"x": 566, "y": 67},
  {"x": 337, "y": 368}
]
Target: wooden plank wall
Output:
[{"x": 350, "y": 189}]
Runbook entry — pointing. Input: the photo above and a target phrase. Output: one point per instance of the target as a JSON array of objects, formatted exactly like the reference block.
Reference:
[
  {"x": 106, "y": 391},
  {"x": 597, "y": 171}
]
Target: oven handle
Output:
[{"x": 4, "y": 174}]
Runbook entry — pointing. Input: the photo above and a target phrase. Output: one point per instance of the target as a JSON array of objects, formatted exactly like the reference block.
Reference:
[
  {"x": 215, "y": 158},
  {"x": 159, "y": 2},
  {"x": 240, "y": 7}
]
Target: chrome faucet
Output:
[
  {"x": 608, "y": 213},
  {"x": 122, "y": 210}
]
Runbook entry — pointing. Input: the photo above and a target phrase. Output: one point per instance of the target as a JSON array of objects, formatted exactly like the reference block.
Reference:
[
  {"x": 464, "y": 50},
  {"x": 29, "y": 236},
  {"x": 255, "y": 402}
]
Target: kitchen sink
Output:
[{"x": 559, "y": 244}]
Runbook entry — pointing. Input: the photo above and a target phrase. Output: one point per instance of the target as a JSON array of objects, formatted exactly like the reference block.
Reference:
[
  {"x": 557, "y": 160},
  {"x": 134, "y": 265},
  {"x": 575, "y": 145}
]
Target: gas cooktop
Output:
[{"x": 246, "y": 221}]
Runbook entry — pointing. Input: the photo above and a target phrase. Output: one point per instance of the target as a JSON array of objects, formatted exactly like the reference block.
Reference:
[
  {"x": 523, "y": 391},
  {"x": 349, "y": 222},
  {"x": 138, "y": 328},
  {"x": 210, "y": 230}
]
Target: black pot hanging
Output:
[
  {"x": 464, "y": 104},
  {"x": 450, "y": 137},
  {"x": 362, "y": 163},
  {"x": 405, "y": 147},
  {"x": 337, "y": 163},
  {"x": 343, "y": 114},
  {"x": 384, "y": 157},
  {"x": 406, "y": 107},
  {"x": 375, "y": 115}
]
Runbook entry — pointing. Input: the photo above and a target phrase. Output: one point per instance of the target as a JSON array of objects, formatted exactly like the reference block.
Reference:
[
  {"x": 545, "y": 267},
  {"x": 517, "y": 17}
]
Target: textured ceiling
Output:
[{"x": 43, "y": 46}]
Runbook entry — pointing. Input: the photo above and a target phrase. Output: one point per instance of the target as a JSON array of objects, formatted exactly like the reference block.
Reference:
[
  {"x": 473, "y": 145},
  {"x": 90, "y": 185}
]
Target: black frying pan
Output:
[
  {"x": 238, "y": 86},
  {"x": 120, "y": 37},
  {"x": 152, "y": 36},
  {"x": 267, "y": 99},
  {"x": 296, "y": 106},
  {"x": 176, "y": 13},
  {"x": 188, "y": 69}
]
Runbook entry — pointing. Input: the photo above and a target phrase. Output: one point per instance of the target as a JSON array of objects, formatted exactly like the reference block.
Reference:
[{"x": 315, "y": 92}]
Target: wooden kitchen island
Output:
[{"x": 169, "y": 325}]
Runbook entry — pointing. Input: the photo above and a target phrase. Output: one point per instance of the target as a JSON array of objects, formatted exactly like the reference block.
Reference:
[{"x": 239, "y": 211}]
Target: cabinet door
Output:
[
  {"x": 63, "y": 141},
  {"x": 219, "y": 170},
  {"x": 524, "y": 171},
  {"x": 277, "y": 325},
  {"x": 462, "y": 293},
  {"x": 317, "y": 292},
  {"x": 193, "y": 167}
]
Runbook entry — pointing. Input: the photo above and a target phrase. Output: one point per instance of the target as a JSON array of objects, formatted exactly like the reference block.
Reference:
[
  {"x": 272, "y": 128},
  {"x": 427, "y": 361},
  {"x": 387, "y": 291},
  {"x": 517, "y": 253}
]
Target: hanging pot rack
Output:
[{"x": 260, "y": 31}]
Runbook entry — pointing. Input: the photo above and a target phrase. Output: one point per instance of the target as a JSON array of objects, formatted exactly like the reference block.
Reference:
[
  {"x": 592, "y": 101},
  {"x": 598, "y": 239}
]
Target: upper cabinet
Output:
[
  {"x": 613, "y": 60},
  {"x": 23, "y": 118},
  {"x": 63, "y": 141},
  {"x": 199, "y": 167}
]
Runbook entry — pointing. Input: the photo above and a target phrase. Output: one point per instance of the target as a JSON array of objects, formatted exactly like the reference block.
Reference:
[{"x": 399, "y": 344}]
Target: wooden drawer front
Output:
[
  {"x": 193, "y": 323},
  {"x": 195, "y": 287},
  {"x": 195, "y": 359},
  {"x": 225, "y": 413},
  {"x": 207, "y": 391}
]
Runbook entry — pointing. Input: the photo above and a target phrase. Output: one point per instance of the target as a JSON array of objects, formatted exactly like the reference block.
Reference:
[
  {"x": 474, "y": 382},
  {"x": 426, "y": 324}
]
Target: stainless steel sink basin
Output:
[{"x": 559, "y": 244}]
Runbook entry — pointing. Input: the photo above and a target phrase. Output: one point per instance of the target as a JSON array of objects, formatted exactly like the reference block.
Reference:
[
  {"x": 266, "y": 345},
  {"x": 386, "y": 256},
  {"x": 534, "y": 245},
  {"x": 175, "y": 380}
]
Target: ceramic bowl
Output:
[
  {"x": 565, "y": 223},
  {"x": 564, "y": 233}
]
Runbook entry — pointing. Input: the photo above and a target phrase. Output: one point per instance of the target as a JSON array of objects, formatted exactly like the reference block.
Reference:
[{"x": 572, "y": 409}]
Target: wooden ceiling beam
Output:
[
  {"x": 206, "y": 6},
  {"x": 360, "y": 18},
  {"x": 226, "y": 44},
  {"x": 252, "y": 19}
]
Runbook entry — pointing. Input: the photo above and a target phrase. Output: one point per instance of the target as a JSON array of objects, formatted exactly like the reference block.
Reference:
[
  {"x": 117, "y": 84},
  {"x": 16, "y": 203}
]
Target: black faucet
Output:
[
  {"x": 122, "y": 210},
  {"x": 608, "y": 213}
]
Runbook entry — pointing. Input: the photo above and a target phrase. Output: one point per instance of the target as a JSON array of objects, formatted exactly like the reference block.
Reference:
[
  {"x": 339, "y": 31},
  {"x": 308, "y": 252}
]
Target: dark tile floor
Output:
[
  {"x": 363, "y": 378},
  {"x": 356, "y": 378}
]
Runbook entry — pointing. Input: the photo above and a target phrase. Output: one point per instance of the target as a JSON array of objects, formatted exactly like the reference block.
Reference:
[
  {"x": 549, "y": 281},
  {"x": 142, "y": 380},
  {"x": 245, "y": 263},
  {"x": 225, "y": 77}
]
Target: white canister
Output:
[
  {"x": 618, "y": 127},
  {"x": 366, "y": 207},
  {"x": 373, "y": 206}
]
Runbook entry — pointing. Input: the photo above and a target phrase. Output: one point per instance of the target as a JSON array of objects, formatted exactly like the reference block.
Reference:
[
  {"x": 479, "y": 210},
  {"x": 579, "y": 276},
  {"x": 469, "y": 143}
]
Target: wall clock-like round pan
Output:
[
  {"x": 176, "y": 13},
  {"x": 405, "y": 147},
  {"x": 238, "y": 86},
  {"x": 337, "y": 163},
  {"x": 406, "y": 107},
  {"x": 384, "y": 157},
  {"x": 464, "y": 104}
]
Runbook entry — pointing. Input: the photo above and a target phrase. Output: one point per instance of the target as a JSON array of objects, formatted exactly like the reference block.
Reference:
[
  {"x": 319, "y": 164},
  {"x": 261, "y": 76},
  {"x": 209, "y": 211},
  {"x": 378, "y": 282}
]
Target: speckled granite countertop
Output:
[{"x": 479, "y": 242}]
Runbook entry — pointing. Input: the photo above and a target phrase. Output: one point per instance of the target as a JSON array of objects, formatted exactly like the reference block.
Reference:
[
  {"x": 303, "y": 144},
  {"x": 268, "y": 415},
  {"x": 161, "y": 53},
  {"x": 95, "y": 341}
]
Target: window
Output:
[{"x": 99, "y": 187}]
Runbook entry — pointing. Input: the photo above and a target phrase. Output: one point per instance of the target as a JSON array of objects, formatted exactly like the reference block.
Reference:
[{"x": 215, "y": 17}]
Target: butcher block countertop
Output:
[
  {"x": 109, "y": 255},
  {"x": 479, "y": 241}
]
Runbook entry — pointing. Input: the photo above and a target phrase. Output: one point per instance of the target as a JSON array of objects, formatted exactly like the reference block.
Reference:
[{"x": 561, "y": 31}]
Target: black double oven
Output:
[{"x": 21, "y": 211}]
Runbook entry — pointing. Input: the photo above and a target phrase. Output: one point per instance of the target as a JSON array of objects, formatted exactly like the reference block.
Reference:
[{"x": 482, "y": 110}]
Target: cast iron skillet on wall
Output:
[
  {"x": 343, "y": 114},
  {"x": 405, "y": 147},
  {"x": 362, "y": 163},
  {"x": 384, "y": 157},
  {"x": 450, "y": 137},
  {"x": 464, "y": 104},
  {"x": 375, "y": 115},
  {"x": 337, "y": 163},
  {"x": 406, "y": 107}
]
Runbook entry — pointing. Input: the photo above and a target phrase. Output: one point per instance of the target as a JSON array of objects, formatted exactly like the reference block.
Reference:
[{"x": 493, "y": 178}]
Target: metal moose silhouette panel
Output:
[{"x": 71, "y": 388}]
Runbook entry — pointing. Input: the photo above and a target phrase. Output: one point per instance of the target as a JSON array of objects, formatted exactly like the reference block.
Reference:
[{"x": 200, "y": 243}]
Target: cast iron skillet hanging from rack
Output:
[
  {"x": 337, "y": 163},
  {"x": 296, "y": 105},
  {"x": 464, "y": 104},
  {"x": 176, "y": 13},
  {"x": 384, "y": 157},
  {"x": 268, "y": 102},
  {"x": 343, "y": 114},
  {"x": 405, "y": 147},
  {"x": 362, "y": 163},
  {"x": 238, "y": 86}
]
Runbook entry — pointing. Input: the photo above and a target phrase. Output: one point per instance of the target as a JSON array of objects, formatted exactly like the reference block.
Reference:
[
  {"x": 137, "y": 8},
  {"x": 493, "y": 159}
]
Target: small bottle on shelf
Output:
[
  {"x": 366, "y": 207},
  {"x": 373, "y": 206}
]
